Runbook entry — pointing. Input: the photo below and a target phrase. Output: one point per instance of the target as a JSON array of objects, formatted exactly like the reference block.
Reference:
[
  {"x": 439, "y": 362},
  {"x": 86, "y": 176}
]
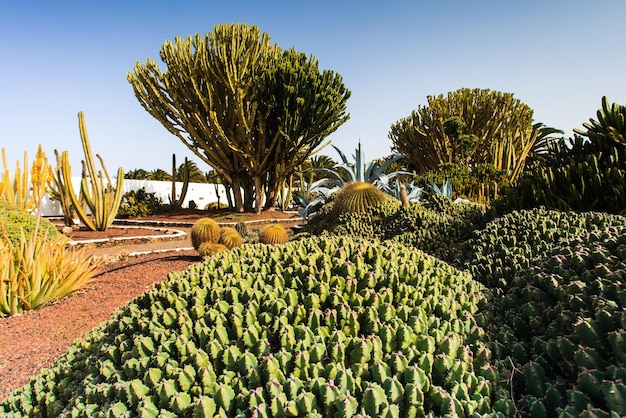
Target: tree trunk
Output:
[
  {"x": 239, "y": 203},
  {"x": 258, "y": 193}
]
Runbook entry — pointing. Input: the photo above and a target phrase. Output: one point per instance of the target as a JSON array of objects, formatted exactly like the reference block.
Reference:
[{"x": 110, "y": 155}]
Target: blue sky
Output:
[{"x": 58, "y": 58}]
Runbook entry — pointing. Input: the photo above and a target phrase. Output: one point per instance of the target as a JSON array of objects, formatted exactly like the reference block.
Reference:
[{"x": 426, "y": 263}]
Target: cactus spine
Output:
[{"x": 100, "y": 197}]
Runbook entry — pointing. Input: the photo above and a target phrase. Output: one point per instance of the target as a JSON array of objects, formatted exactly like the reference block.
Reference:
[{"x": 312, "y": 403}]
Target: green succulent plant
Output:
[
  {"x": 273, "y": 234},
  {"x": 204, "y": 230},
  {"x": 357, "y": 197},
  {"x": 230, "y": 238},
  {"x": 317, "y": 327}
]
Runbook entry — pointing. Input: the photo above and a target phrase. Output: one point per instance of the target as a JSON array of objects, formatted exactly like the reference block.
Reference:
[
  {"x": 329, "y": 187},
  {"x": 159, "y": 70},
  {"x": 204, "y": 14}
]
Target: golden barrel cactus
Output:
[
  {"x": 357, "y": 197},
  {"x": 230, "y": 238},
  {"x": 209, "y": 249},
  {"x": 204, "y": 230},
  {"x": 273, "y": 234}
]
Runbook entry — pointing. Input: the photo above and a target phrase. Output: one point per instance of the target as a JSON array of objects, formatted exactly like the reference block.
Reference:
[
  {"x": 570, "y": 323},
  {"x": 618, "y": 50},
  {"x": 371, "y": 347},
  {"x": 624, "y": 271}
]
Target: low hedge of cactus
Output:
[
  {"x": 561, "y": 330},
  {"x": 526, "y": 320},
  {"x": 511, "y": 243},
  {"x": 315, "y": 327}
]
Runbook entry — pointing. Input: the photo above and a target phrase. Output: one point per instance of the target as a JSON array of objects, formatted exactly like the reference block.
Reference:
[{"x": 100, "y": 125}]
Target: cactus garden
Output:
[{"x": 480, "y": 271}]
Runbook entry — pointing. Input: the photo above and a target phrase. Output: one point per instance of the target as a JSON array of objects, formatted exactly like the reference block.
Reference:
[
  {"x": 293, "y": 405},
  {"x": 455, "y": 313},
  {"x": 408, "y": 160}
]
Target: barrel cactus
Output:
[
  {"x": 357, "y": 197},
  {"x": 273, "y": 234},
  {"x": 230, "y": 238},
  {"x": 204, "y": 230},
  {"x": 209, "y": 249}
]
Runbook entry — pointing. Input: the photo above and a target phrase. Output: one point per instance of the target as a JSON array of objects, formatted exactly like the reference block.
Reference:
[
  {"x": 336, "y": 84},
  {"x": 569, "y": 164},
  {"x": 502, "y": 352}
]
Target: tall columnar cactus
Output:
[
  {"x": 101, "y": 198},
  {"x": 176, "y": 203},
  {"x": 59, "y": 192}
]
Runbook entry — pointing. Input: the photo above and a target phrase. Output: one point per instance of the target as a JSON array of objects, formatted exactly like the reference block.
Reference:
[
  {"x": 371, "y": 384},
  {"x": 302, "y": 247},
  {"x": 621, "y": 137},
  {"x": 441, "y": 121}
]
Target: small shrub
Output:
[
  {"x": 13, "y": 222},
  {"x": 139, "y": 203}
]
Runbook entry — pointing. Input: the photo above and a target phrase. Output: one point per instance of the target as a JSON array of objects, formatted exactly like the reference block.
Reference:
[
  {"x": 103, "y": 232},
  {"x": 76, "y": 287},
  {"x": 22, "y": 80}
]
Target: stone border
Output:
[{"x": 168, "y": 235}]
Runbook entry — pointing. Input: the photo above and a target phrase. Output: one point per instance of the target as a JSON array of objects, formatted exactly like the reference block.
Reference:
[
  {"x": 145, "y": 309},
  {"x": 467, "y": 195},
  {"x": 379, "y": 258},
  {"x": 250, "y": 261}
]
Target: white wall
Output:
[{"x": 201, "y": 193}]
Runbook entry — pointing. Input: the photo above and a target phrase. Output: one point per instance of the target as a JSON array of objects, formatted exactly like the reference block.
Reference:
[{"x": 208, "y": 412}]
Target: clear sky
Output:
[{"x": 61, "y": 57}]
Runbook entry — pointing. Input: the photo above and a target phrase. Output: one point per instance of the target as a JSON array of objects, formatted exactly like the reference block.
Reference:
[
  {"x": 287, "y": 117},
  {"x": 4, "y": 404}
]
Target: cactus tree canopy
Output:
[
  {"x": 245, "y": 107},
  {"x": 468, "y": 127}
]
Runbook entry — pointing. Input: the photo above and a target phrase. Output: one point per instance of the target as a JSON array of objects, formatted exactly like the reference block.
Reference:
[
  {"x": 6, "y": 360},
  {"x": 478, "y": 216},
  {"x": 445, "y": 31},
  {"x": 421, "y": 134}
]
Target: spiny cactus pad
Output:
[
  {"x": 204, "y": 230},
  {"x": 357, "y": 197},
  {"x": 320, "y": 326},
  {"x": 273, "y": 234}
]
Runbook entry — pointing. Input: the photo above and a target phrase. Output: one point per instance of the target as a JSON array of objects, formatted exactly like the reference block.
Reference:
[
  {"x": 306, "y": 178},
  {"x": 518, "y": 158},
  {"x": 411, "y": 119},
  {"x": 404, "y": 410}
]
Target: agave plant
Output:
[
  {"x": 359, "y": 170},
  {"x": 414, "y": 192},
  {"x": 445, "y": 189}
]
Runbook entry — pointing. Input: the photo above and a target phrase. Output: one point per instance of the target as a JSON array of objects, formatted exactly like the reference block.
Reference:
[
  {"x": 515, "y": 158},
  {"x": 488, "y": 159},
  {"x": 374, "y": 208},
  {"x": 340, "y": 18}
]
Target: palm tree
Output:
[
  {"x": 159, "y": 175},
  {"x": 138, "y": 174}
]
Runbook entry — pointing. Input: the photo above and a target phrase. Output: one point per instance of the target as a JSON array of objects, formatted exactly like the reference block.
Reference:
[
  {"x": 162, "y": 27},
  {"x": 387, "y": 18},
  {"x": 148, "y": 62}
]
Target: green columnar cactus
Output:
[
  {"x": 230, "y": 238},
  {"x": 59, "y": 192},
  {"x": 204, "y": 230},
  {"x": 176, "y": 203},
  {"x": 273, "y": 234},
  {"x": 101, "y": 198},
  {"x": 357, "y": 197}
]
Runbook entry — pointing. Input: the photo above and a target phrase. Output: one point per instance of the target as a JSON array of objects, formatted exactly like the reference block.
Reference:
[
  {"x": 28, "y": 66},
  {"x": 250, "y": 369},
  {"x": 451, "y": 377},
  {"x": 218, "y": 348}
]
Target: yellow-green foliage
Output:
[
  {"x": 230, "y": 237},
  {"x": 357, "y": 197},
  {"x": 36, "y": 271},
  {"x": 205, "y": 230},
  {"x": 208, "y": 249},
  {"x": 24, "y": 192},
  {"x": 273, "y": 234},
  {"x": 13, "y": 222}
]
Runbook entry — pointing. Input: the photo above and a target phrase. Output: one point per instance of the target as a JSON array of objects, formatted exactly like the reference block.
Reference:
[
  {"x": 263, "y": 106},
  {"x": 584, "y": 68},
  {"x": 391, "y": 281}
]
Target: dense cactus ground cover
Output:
[{"x": 338, "y": 326}]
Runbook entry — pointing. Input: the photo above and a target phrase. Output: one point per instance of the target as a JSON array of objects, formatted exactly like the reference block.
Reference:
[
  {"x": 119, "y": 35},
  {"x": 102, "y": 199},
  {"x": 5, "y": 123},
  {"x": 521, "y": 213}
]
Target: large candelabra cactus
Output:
[{"x": 101, "y": 199}]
